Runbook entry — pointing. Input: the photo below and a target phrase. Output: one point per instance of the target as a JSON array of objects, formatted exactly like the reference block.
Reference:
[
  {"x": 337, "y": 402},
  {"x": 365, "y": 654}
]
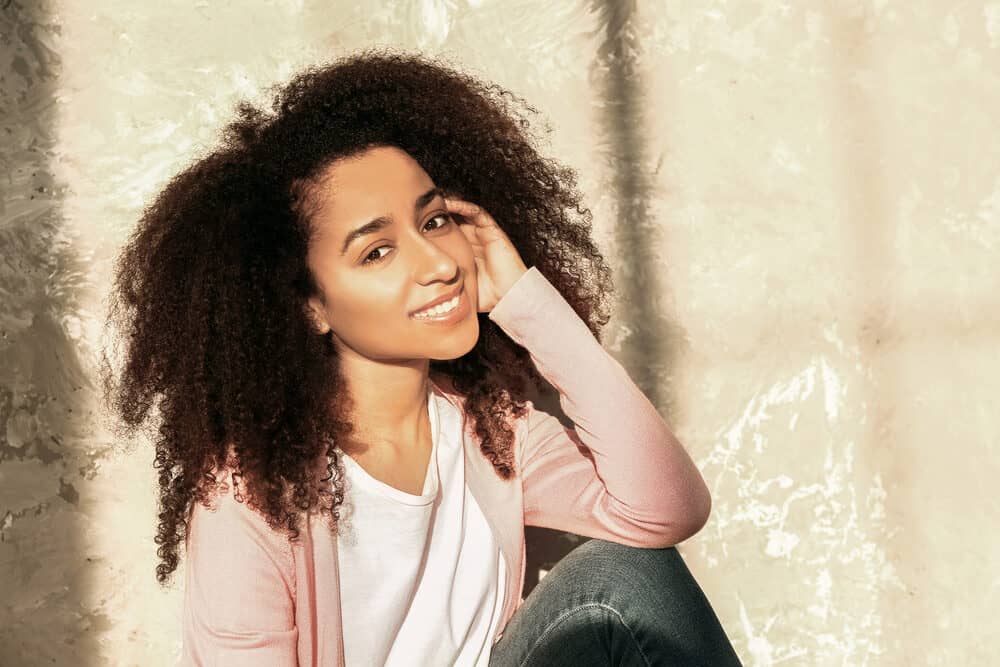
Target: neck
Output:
[{"x": 390, "y": 417}]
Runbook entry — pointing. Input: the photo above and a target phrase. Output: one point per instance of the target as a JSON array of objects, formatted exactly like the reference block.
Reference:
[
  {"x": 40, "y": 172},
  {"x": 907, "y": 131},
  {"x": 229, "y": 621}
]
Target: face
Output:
[{"x": 383, "y": 275}]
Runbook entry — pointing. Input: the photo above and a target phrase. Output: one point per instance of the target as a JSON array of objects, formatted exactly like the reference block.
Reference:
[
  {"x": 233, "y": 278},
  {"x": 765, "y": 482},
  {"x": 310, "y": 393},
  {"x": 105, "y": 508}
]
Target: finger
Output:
[
  {"x": 460, "y": 203},
  {"x": 471, "y": 235},
  {"x": 480, "y": 218},
  {"x": 465, "y": 208}
]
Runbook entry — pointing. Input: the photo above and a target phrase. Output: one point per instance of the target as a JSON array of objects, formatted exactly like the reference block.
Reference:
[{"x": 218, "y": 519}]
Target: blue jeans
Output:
[{"x": 605, "y": 603}]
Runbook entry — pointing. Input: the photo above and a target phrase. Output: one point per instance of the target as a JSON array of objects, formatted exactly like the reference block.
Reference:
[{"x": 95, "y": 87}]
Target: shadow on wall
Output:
[
  {"x": 648, "y": 353},
  {"x": 47, "y": 452}
]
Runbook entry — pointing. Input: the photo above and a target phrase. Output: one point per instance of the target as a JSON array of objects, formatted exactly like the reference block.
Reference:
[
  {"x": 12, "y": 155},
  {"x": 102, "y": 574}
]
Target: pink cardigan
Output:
[{"x": 251, "y": 598}]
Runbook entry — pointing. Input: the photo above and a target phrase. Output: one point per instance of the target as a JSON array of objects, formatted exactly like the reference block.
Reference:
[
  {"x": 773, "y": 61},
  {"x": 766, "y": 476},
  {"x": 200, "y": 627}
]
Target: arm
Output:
[
  {"x": 620, "y": 474},
  {"x": 239, "y": 590}
]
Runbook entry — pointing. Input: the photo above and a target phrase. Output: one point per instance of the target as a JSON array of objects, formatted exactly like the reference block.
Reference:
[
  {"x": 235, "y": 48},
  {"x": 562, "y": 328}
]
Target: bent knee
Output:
[{"x": 636, "y": 578}]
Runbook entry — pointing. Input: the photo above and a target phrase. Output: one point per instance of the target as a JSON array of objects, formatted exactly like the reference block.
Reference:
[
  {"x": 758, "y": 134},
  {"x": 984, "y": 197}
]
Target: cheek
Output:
[
  {"x": 462, "y": 250},
  {"x": 362, "y": 303},
  {"x": 372, "y": 325}
]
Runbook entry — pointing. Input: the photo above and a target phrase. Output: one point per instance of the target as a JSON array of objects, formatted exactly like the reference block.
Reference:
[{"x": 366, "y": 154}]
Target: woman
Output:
[{"x": 279, "y": 299}]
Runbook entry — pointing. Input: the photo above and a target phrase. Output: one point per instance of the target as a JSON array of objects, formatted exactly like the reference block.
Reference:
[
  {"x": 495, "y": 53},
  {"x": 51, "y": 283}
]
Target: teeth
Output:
[{"x": 439, "y": 309}]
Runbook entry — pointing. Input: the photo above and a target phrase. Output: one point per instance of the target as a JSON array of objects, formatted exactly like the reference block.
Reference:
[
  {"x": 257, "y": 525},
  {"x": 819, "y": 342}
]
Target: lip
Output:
[
  {"x": 456, "y": 315},
  {"x": 441, "y": 299}
]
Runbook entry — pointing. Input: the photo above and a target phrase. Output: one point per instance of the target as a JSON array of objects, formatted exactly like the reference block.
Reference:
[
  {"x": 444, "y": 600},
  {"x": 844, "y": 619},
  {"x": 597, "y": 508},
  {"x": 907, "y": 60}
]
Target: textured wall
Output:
[{"x": 801, "y": 200}]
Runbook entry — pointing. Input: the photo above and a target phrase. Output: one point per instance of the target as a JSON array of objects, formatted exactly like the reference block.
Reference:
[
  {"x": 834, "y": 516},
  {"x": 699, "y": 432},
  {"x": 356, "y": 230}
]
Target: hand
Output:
[{"x": 498, "y": 264}]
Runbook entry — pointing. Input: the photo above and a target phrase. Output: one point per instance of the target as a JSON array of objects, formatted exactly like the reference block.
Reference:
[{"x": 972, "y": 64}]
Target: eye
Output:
[
  {"x": 446, "y": 216},
  {"x": 373, "y": 257}
]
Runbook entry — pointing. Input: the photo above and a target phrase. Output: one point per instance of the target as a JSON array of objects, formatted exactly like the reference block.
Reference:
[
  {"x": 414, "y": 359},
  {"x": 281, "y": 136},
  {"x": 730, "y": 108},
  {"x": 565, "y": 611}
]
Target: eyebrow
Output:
[{"x": 386, "y": 220}]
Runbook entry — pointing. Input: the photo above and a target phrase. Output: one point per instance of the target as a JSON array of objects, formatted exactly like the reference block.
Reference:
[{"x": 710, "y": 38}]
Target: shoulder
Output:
[{"x": 229, "y": 526}]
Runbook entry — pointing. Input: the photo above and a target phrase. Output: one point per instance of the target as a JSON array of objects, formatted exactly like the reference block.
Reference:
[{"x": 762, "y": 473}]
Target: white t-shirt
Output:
[{"x": 422, "y": 577}]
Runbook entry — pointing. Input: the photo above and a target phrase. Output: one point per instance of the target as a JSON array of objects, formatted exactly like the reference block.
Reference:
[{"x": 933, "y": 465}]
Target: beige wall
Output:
[{"x": 801, "y": 200}]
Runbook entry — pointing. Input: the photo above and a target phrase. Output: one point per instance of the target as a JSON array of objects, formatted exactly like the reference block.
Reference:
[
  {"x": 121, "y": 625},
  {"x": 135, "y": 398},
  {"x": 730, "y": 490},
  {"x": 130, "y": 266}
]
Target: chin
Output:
[{"x": 459, "y": 345}]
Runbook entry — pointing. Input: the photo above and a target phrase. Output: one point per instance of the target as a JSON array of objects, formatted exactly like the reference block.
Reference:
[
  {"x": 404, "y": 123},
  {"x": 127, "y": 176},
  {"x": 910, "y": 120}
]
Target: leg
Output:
[{"x": 609, "y": 604}]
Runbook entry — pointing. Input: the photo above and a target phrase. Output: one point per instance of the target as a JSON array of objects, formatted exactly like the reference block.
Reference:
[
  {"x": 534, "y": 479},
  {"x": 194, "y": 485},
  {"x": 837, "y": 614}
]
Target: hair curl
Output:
[{"x": 211, "y": 286}]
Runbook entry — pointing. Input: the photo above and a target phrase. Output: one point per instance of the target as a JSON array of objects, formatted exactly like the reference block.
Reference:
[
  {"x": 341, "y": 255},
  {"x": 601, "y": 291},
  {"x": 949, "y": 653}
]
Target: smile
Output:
[{"x": 447, "y": 312}]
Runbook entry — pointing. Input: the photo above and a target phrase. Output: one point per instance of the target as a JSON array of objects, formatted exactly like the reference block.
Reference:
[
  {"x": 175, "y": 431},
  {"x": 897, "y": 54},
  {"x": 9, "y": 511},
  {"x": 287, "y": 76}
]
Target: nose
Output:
[{"x": 434, "y": 262}]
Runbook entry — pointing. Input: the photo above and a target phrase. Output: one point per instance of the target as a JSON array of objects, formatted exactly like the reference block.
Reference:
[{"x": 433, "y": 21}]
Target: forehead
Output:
[{"x": 379, "y": 181}]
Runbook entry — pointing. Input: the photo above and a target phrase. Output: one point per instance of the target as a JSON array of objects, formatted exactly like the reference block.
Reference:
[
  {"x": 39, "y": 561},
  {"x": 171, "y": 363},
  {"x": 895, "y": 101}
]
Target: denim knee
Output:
[
  {"x": 629, "y": 577},
  {"x": 654, "y": 595},
  {"x": 590, "y": 634}
]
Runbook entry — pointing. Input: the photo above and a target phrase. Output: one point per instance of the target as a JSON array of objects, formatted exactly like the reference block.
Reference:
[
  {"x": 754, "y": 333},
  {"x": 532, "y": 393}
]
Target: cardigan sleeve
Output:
[
  {"x": 239, "y": 589},
  {"x": 619, "y": 474}
]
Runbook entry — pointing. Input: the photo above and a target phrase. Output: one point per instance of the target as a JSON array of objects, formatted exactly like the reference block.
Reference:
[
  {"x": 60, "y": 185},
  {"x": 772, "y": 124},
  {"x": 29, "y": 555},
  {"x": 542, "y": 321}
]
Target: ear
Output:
[{"x": 316, "y": 318}]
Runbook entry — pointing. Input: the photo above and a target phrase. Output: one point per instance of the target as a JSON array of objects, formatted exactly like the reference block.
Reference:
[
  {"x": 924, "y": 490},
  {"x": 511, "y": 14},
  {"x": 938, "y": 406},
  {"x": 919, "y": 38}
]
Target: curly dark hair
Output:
[{"x": 210, "y": 288}]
